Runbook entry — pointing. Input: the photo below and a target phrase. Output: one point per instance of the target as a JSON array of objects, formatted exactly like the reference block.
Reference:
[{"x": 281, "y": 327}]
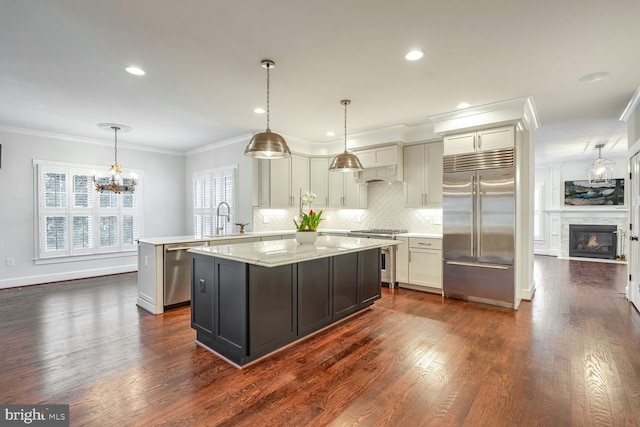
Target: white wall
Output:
[
  {"x": 164, "y": 203},
  {"x": 223, "y": 155}
]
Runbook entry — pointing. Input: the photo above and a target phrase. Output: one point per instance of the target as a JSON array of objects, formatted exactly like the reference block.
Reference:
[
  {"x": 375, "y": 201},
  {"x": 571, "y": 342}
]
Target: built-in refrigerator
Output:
[{"x": 478, "y": 226}]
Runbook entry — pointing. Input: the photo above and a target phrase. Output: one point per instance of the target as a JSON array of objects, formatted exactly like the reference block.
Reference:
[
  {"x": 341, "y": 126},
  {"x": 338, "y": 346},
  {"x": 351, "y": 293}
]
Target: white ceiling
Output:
[{"x": 62, "y": 67}]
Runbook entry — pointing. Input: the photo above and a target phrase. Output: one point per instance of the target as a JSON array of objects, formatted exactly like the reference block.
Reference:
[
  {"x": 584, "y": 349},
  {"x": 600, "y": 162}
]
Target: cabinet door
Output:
[
  {"x": 299, "y": 178},
  {"x": 280, "y": 183},
  {"x": 355, "y": 195},
  {"x": 495, "y": 139},
  {"x": 433, "y": 193},
  {"x": 336, "y": 189},
  {"x": 319, "y": 180},
  {"x": 345, "y": 285},
  {"x": 402, "y": 260},
  {"x": 202, "y": 295},
  {"x": 230, "y": 317},
  {"x": 425, "y": 268},
  {"x": 414, "y": 178},
  {"x": 369, "y": 276},
  {"x": 462, "y": 143},
  {"x": 314, "y": 295}
]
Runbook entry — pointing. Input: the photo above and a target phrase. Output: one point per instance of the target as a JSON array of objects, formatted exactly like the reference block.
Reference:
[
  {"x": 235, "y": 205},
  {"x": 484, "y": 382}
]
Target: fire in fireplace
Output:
[{"x": 592, "y": 241}]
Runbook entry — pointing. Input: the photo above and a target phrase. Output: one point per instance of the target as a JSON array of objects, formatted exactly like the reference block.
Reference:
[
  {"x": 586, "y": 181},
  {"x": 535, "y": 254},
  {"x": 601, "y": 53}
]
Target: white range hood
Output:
[{"x": 380, "y": 164}]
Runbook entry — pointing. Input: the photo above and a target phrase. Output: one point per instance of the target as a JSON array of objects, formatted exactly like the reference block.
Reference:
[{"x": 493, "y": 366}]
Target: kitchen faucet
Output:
[{"x": 228, "y": 215}]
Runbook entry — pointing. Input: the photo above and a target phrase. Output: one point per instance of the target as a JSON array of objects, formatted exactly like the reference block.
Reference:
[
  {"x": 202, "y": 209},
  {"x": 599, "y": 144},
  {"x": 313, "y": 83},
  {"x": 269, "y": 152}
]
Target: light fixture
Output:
[
  {"x": 345, "y": 162},
  {"x": 594, "y": 77},
  {"x": 414, "y": 55},
  {"x": 267, "y": 144},
  {"x": 136, "y": 71},
  {"x": 331, "y": 133},
  {"x": 601, "y": 170},
  {"x": 259, "y": 110},
  {"x": 463, "y": 105},
  {"x": 115, "y": 183}
]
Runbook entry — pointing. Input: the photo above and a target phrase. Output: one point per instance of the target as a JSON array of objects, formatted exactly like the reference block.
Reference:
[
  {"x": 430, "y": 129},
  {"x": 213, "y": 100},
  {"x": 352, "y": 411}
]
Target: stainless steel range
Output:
[{"x": 387, "y": 253}]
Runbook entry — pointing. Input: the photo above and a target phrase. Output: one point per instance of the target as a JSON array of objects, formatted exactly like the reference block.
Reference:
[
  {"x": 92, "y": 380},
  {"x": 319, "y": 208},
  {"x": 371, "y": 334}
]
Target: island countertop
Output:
[{"x": 282, "y": 252}]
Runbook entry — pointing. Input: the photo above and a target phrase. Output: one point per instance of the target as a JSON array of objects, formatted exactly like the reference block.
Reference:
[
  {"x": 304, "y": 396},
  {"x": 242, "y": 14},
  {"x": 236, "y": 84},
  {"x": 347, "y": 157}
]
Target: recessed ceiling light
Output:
[
  {"x": 414, "y": 55},
  {"x": 259, "y": 110},
  {"x": 331, "y": 133},
  {"x": 463, "y": 105},
  {"x": 135, "y": 71},
  {"x": 594, "y": 77}
]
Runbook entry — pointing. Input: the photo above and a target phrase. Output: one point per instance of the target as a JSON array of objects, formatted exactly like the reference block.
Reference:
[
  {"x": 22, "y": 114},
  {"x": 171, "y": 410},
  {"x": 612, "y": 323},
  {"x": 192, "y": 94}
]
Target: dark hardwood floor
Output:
[{"x": 569, "y": 357}]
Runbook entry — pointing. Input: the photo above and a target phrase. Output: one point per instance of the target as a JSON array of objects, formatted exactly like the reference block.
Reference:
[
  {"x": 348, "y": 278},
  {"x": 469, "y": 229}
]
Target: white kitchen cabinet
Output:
[
  {"x": 402, "y": 260},
  {"x": 483, "y": 140},
  {"x": 425, "y": 264},
  {"x": 377, "y": 157},
  {"x": 423, "y": 175},
  {"x": 345, "y": 192},
  {"x": 319, "y": 180},
  {"x": 286, "y": 178}
]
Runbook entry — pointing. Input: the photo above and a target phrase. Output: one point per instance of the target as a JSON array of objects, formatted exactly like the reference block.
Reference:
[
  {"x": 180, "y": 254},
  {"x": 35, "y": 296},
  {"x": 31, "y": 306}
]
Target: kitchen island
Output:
[{"x": 251, "y": 299}]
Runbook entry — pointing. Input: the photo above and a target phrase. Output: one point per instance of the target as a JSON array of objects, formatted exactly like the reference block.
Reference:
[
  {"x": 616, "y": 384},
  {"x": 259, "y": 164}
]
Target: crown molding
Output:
[
  {"x": 632, "y": 106},
  {"x": 503, "y": 112},
  {"x": 71, "y": 138}
]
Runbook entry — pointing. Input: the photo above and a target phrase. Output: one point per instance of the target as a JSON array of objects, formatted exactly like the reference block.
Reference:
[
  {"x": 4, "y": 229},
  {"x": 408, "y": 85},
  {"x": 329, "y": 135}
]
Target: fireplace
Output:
[{"x": 592, "y": 241}]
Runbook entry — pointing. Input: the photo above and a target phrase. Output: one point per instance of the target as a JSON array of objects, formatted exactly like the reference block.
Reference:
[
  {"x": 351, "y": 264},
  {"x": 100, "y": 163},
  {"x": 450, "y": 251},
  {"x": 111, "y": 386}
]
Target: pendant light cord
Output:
[
  {"x": 345, "y": 102},
  {"x": 268, "y": 68}
]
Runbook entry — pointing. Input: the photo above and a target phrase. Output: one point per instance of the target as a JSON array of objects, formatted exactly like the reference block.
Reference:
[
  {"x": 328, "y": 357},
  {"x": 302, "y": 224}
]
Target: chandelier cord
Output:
[
  {"x": 345, "y": 126},
  {"x": 115, "y": 131}
]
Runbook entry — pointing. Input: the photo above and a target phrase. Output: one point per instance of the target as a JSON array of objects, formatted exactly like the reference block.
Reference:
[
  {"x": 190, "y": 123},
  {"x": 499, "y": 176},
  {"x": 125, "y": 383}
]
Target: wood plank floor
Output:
[{"x": 569, "y": 357}]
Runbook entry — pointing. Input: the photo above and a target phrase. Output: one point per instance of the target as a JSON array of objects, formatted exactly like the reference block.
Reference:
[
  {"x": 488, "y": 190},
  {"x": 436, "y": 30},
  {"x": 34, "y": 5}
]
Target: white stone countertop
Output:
[
  {"x": 275, "y": 253},
  {"x": 195, "y": 238},
  {"x": 427, "y": 235}
]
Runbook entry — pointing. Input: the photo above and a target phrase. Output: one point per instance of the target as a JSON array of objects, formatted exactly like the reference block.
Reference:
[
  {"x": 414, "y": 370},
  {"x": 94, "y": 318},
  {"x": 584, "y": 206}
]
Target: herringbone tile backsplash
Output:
[{"x": 385, "y": 210}]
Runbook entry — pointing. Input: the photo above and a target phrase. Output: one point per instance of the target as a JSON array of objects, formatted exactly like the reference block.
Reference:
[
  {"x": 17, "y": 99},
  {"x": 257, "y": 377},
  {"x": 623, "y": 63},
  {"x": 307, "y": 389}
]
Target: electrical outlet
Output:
[
  {"x": 265, "y": 219},
  {"x": 146, "y": 260},
  {"x": 437, "y": 220},
  {"x": 203, "y": 286},
  {"x": 10, "y": 262}
]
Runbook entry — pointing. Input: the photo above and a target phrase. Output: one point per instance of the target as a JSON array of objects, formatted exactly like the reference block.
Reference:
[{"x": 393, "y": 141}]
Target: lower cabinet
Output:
[
  {"x": 421, "y": 258},
  {"x": 246, "y": 311}
]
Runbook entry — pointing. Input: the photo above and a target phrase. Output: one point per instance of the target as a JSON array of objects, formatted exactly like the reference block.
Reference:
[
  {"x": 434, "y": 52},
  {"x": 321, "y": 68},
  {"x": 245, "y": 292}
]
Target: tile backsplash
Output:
[{"x": 385, "y": 210}]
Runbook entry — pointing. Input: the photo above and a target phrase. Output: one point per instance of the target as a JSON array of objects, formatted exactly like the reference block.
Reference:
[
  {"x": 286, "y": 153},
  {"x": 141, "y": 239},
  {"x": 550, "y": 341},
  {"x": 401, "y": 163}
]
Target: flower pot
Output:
[{"x": 306, "y": 237}]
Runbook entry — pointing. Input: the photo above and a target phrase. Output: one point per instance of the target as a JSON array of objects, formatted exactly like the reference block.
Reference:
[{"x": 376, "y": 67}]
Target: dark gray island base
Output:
[{"x": 244, "y": 311}]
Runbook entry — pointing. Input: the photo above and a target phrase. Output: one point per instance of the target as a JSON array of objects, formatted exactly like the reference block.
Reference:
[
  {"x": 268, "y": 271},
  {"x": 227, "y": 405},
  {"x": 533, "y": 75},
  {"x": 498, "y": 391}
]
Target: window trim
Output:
[
  {"x": 41, "y": 256},
  {"x": 211, "y": 210}
]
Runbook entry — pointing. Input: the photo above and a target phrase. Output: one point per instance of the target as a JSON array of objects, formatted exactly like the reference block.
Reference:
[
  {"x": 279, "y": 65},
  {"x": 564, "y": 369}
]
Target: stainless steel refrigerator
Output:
[{"x": 478, "y": 225}]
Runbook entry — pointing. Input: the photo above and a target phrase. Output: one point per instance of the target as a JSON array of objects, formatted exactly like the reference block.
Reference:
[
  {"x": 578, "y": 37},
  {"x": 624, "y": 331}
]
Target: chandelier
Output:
[
  {"x": 345, "y": 162},
  {"x": 267, "y": 144},
  {"x": 115, "y": 183},
  {"x": 601, "y": 170}
]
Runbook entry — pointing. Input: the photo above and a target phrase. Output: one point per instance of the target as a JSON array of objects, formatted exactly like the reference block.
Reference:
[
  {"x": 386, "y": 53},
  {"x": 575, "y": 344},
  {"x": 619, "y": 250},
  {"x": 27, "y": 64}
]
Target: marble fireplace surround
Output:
[{"x": 560, "y": 220}]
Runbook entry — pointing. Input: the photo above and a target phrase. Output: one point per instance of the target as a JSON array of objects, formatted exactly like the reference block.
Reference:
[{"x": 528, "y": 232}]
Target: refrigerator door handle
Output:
[
  {"x": 478, "y": 213},
  {"x": 474, "y": 218},
  {"x": 473, "y": 264}
]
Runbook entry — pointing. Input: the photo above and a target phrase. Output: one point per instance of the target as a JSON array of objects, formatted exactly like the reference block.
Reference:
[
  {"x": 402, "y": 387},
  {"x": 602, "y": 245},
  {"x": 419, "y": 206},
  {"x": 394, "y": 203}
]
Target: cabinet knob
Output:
[{"x": 633, "y": 238}]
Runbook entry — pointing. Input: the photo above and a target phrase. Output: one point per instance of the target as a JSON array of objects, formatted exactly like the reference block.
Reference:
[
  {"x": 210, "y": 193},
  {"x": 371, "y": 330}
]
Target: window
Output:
[
  {"x": 538, "y": 212},
  {"x": 210, "y": 189},
  {"x": 73, "y": 219}
]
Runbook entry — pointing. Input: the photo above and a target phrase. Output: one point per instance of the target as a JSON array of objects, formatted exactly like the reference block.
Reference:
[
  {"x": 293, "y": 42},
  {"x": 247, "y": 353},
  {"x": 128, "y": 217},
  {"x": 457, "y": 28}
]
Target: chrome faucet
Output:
[{"x": 228, "y": 215}]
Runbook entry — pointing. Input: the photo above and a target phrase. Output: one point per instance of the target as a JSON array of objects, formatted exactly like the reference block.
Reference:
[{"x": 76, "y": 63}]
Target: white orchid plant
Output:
[{"x": 310, "y": 221}]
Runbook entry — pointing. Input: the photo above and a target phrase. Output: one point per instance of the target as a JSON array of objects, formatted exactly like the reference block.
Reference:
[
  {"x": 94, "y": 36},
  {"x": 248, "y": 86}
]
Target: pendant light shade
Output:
[
  {"x": 345, "y": 162},
  {"x": 267, "y": 144},
  {"x": 601, "y": 170}
]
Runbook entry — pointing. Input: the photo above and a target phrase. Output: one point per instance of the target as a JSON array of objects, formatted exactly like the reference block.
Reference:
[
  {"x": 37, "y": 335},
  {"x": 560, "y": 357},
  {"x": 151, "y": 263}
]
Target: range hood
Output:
[{"x": 380, "y": 164}]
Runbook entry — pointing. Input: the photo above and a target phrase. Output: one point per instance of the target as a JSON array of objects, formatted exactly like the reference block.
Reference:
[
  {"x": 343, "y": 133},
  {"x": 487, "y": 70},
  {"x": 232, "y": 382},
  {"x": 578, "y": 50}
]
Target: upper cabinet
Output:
[
  {"x": 423, "y": 175},
  {"x": 319, "y": 180},
  {"x": 377, "y": 157},
  {"x": 286, "y": 179},
  {"x": 483, "y": 140},
  {"x": 345, "y": 192}
]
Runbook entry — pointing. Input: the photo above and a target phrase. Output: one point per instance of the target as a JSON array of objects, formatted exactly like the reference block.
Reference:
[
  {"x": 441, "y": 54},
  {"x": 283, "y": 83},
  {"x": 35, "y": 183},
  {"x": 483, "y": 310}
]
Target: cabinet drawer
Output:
[{"x": 425, "y": 243}]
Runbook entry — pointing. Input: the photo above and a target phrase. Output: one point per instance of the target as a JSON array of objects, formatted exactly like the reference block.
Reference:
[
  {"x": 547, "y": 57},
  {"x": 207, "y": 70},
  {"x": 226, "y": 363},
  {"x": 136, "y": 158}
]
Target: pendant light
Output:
[
  {"x": 345, "y": 162},
  {"x": 267, "y": 144},
  {"x": 601, "y": 170},
  {"x": 115, "y": 183}
]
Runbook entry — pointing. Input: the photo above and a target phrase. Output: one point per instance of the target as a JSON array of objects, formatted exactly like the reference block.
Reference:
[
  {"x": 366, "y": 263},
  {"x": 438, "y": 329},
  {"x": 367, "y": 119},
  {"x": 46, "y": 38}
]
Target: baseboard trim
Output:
[{"x": 67, "y": 275}]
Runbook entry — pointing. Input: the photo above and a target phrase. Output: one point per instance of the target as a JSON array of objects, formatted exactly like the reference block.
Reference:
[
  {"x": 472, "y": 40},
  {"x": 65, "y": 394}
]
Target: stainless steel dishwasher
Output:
[{"x": 177, "y": 273}]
